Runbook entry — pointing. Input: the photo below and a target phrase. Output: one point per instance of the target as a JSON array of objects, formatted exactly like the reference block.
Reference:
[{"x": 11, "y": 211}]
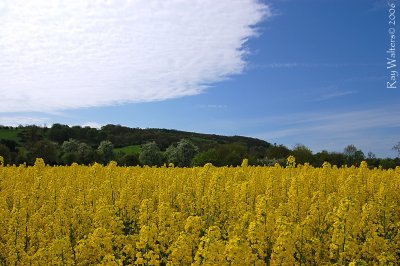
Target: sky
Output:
[{"x": 311, "y": 72}]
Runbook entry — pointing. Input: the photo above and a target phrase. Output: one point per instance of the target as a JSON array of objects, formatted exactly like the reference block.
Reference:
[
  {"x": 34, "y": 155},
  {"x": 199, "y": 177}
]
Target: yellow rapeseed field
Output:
[{"x": 111, "y": 215}]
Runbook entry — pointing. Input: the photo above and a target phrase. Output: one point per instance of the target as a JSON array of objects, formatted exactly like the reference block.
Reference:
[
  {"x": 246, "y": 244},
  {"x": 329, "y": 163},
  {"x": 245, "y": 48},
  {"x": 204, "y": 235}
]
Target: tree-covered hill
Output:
[
  {"x": 63, "y": 144},
  {"x": 23, "y": 143}
]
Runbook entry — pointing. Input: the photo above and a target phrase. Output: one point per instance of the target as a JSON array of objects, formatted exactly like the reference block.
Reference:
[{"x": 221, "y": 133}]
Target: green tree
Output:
[
  {"x": 128, "y": 160},
  {"x": 209, "y": 156},
  {"x": 71, "y": 145},
  {"x": 221, "y": 155},
  {"x": 182, "y": 154},
  {"x": 59, "y": 133},
  {"x": 30, "y": 134},
  {"x": 151, "y": 155},
  {"x": 69, "y": 151},
  {"x": 5, "y": 153},
  {"x": 74, "y": 151},
  {"x": 302, "y": 154},
  {"x": 85, "y": 152},
  {"x": 106, "y": 151},
  {"x": 11, "y": 144},
  {"x": 69, "y": 158},
  {"x": 353, "y": 155},
  {"x": 387, "y": 163},
  {"x": 372, "y": 160},
  {"x": 277, "y": 152},
  {"x": 45, "y": 149}
]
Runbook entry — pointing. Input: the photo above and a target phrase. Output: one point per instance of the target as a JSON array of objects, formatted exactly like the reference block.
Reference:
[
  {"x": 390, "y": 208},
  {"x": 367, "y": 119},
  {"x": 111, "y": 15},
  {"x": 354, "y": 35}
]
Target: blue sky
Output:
[{"x": 286, "y": 71}]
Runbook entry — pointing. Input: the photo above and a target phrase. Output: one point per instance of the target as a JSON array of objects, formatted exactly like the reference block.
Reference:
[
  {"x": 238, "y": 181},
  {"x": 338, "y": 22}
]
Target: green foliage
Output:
[
  {"x": 353, "y": 155},
  {"x": 277, "y": 152},
  {"x": 182, "y": 154},
  {"x": 200, "y": 139},
  {"x": 69, "y": 146},
  {"x": 302, "y": 154},
  {"x": 106, "y": 151},
  {"x": 5, "y": 153},
  {"x": 86, "y": 153},
  {"x": 151, "y": 155},
  {"x": 388, "y": 163},
  {"x": 69, "y": 158},
  {"x": 59, "y": 133},
  {"x": 29, "y": 135},
  {"x": 334, "y": 158},
  {"x": 221, "y": 155},
  {"x": 79, "y": 144},
  {"x": 45, "y": 149},
  {"x": 128, "y": 160},
  {"x": 73, "y": 151}
]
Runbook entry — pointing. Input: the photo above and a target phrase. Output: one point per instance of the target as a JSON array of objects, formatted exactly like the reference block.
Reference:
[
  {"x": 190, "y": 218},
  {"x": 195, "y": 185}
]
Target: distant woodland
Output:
[{"x": 64, "y": 145}]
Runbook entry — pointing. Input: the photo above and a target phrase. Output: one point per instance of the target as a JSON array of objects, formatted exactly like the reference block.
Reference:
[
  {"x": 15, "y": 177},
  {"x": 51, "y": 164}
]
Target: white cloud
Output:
[
  {"x": 371, "y": 129},
  {"x": 62, "y": 54},
  {"x": 92, "y": 125},
  {"x": 314, "y": 65},
  {"x": 15, "y": 121},
  {"x": 336, "y": 94},
  {"x": 212, "y": 106},
  {"x": 332, "y": 124}
]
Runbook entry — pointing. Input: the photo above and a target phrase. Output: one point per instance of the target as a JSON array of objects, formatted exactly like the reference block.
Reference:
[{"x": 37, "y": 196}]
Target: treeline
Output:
[{"x": 62, "y": 144}]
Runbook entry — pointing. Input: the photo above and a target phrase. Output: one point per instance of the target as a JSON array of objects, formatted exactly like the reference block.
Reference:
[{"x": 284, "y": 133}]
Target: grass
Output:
[{"x": 132, "y": 149}]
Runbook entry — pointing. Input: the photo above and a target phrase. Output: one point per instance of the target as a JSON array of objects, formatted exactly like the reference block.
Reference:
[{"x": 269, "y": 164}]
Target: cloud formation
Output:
[
  {"x": 336, "y": 129},
  {"x": 335, "y": 94},
  {"x": 15, "y": 121},
  {"x": 314, "y": 65},
  {"x": 58, "y": 55}
]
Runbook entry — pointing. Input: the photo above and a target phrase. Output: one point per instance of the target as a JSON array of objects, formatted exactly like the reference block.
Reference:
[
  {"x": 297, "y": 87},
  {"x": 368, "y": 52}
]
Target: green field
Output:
[{"x": 129, "y": 149}]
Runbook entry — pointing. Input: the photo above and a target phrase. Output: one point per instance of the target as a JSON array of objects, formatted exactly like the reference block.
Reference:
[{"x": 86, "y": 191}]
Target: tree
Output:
[
  {"x": 182, "y": 154},
  {"x": 350, "y": 150},
  {"x": 320, "y": 158},
  {"x": 31, "y": 134},
  {"x": 45, "y": 149},
  {"x": 302, "y": 154},
  {"x": 151, "y": 155},
  {"x": 231, "y": 154},
  {"x": 69, "y": 158},
  {"x": 277, "y": 152},
  {"x": 59, "y": 133},
  {"x": 209, "y": 156},
  {"x": 106, "y": 151},
  {"x": 128, "y": 159},
  {"x": 353, "y": 155},
  {"x": 334, "y": 158},
  {"x": 372, "y": 160},
  {"x": 221, "y": 155},
  {"x": 5, "y": 153},
  {"x": 85, "y": 152},
  {"x": 70, "y": 145},
  {"x": 397, "y": 148},
  {"x": 11, "y": 144},
  {"x": 74, "y": 151}
]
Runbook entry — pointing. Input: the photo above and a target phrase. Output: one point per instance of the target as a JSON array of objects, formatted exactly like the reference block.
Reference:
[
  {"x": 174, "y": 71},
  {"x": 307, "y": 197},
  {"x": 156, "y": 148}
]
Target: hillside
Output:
[
  {"x": 63, "y": 144},
  {"x": 24, "y": 143},
  {"x": 121, "y": 136}
]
